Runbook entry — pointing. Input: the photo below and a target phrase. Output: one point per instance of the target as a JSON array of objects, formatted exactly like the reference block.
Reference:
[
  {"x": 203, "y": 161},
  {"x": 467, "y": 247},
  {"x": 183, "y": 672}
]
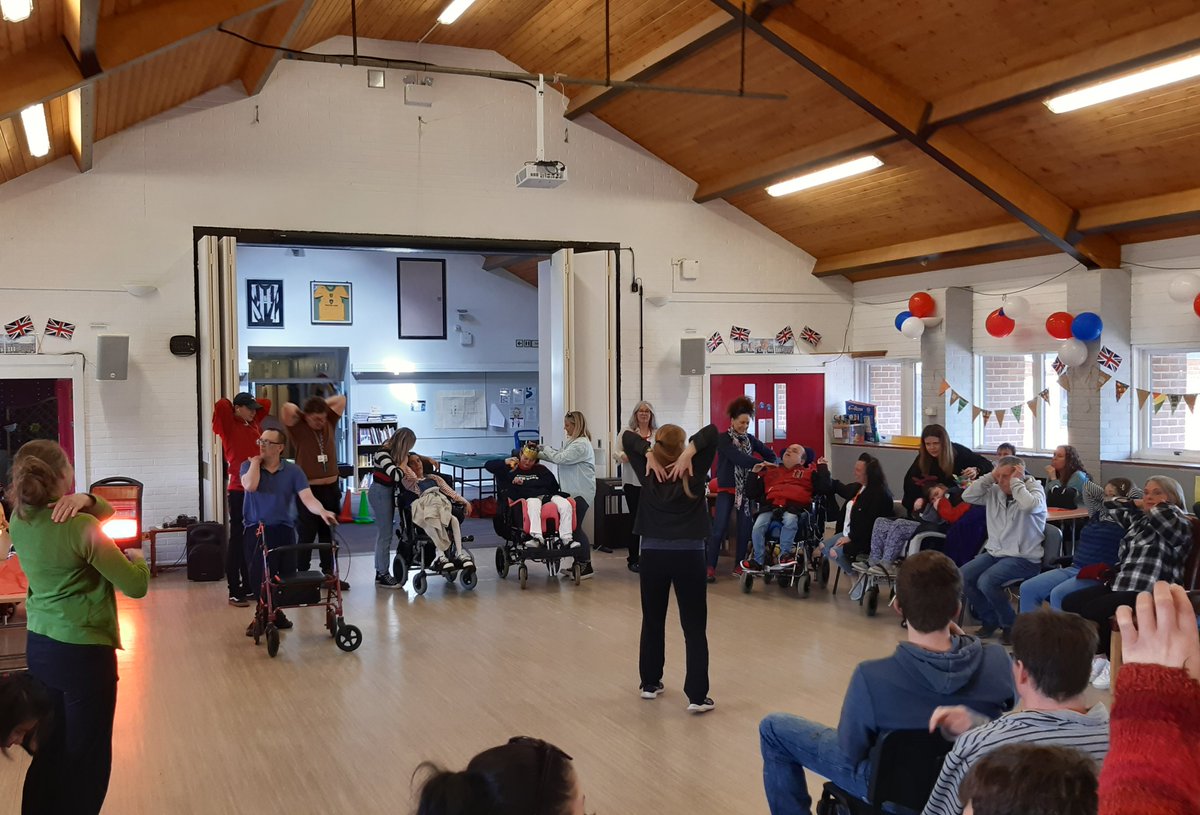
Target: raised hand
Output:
[{"x": 1164, "y": 632}]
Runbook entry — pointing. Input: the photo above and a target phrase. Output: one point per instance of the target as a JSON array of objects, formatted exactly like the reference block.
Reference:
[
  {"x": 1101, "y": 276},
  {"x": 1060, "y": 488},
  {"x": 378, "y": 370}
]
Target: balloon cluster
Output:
[
  {"x": 1186, "y": 289},
  {"x": 1075, "y": 330},
  {"x": 921, "y": 307}
]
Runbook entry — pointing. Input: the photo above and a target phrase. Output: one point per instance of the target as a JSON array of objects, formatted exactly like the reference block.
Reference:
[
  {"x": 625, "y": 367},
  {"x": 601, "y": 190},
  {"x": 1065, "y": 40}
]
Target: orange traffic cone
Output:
[
  {"x": 347, "y": 515},
  {"x": 364, "y": 510}
]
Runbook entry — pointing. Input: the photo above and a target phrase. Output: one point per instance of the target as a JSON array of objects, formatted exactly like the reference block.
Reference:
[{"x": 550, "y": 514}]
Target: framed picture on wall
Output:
[
  {"x": 332, "y": 303},
  {"x": 264, "y": 304}
]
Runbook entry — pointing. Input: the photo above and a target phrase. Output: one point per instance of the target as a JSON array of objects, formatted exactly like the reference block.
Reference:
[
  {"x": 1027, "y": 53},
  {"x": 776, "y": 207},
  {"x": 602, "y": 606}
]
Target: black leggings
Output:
[
  {"x": 1099, "y": 604},
  {"x": 312, "y": 528},
  {"x": 632, "y": 496},
  {"x": 684, "y": 570},
  {"x": 235, "y": 556}
]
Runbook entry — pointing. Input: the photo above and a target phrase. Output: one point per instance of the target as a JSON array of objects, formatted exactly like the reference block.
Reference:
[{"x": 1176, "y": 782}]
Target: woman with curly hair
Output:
[
  {"x": 736, "y": 451},
  {"x": 1065, "y": 472}
]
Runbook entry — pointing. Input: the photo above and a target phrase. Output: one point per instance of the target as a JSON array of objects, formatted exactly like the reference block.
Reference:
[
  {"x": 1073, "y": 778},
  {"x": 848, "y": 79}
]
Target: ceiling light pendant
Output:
[
  {"x": 1125, "y": 85},
  {"x": 814, "y": 179},
  {"x": 453, "y": 11},
  {"x": 36, "y": 135},
  {"x": 14, "y": 11}
]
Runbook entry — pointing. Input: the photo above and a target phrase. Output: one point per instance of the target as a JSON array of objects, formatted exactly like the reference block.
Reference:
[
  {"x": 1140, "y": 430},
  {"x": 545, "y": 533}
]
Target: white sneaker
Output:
[
  {"x": 651, "y": 691},
  {"x": 701, "y": 707},
  {"x": 1101, "y": 673}
]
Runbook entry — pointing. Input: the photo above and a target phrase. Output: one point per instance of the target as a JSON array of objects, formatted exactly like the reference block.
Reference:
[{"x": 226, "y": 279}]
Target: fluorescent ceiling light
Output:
[
  {"x": 454, "y": 11},
  {"x": 36, "y": 134},
  {"x": 1126, "y": 85},
  {"x": 835, "y": 173},
  {"x": 16, "y": 10}
]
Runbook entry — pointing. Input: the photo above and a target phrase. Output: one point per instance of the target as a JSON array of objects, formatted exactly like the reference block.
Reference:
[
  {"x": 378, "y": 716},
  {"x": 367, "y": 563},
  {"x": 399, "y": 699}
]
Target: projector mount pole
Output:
[{"x": 541, "y": 137}]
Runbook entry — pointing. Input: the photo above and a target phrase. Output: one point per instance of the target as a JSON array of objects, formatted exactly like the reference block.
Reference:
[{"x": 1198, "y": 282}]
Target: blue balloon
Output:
[
  {"x": 901, "y": 317},
  {"x": 1087, "y": 326}
]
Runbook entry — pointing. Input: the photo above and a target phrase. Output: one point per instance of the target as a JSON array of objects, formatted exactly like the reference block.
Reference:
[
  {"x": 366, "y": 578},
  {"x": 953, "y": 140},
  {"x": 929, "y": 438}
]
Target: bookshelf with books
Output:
[{"x": 370, "y": 432}]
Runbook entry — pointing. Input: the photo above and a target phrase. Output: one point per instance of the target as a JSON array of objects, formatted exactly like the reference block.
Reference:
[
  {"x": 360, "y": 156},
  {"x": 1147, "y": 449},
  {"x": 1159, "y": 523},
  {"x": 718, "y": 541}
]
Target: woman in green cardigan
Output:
[{"x": 72, "y": 568}]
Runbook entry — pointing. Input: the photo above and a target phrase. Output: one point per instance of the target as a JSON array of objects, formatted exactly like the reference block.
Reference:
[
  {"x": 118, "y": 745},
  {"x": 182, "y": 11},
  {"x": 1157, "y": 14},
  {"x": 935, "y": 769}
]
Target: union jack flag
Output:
[
  {"x": 738, "y": 333},
  {"x": 811, "y": 337},
  {"x": 785, "y": 335},
  {"x": 715, "y": 341},
  {"x": 59, "y": 328},
  {"x": 1108, "y": 358},
  {"x": 19, "y": 327},
  {"x": 1059, "y": 366}
]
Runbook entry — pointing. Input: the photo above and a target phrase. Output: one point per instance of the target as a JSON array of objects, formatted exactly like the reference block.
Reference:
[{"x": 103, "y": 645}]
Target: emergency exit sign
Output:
[{"x": 527, "y": 343}]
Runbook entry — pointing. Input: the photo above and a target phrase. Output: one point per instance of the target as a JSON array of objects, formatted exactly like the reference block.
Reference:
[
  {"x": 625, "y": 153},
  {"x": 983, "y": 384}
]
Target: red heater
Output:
[{"x": 125, "y": 496}]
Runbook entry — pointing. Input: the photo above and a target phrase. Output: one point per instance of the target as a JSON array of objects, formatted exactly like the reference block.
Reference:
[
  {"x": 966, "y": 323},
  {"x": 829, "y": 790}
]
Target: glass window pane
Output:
[
  {"x": 1173, "y": 372},
  {"x": 884, "y": 391},
  {"x": 1053, "y": 415},
  {"x": 1007, "y": 381}
]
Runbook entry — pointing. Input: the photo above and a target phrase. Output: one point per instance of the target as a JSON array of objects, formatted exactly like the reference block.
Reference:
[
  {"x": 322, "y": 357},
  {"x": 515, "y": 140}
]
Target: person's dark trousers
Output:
[
  {"x": 236, "y": 574},
  {"x": 1099, "y": 604},
  {"x": 662, "y": 569},
  {"x": 632, "y": 496},
  {"x": 720, "y": 527},
  {"x": 69, "y": 773},
  {"x": 312, "y": 528},
  {"x": 584, "y": 553},
  {"x": 280, "y": 563}
]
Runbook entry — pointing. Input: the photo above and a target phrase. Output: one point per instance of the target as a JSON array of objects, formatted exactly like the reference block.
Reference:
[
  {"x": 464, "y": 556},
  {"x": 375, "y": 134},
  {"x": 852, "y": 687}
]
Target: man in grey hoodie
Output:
[
  {"x": 937, "y": 664},
  {"x": 1016, "y": 523}
]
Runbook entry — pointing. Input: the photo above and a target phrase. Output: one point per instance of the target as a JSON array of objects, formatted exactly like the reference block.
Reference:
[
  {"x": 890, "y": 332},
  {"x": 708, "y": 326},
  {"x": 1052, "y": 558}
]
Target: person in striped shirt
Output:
[{"x": 1052, "y": 663}]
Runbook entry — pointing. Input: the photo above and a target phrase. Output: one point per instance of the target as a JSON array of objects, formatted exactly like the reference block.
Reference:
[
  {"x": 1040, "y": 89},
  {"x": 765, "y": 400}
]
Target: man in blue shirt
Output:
[
  {"x": 938, "y": 663},
  {"x": 271, "y": 486}
]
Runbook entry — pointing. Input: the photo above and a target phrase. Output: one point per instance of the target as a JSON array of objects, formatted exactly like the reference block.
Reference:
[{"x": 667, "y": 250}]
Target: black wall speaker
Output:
[{"x": 183, "y": 345}]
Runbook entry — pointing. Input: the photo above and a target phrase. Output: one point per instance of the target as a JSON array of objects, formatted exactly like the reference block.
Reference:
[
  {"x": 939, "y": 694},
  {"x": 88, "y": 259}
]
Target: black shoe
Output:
[
  {"x": 586, "y": 571},
  {"x": 282, "y": 622},
  {"x": 652, "y": 691},
  {"x": 1006, "y": 636},
  {"x": 983, "y": 632},
  {"x": 383, "y": 580},
  {"x": 703, "y": 706},
  {"x": 238, "y": 600},
  {"x": 600, "y": 547},
  {"x": 634, "y": 566},
  {"x": 342, "y": 584}
]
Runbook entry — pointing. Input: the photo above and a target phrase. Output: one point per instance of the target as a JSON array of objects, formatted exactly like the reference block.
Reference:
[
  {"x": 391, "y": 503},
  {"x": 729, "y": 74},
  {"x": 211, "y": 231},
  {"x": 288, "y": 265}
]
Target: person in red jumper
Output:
[
  {"x": 238, "y": 424},
  {"x": 1153, "y": 763},
  {"x": 789, "y": 488}
]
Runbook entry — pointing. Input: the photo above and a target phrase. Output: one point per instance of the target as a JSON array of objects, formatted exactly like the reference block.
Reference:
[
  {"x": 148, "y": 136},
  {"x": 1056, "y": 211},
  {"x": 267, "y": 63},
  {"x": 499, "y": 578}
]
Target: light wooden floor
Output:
[{"x": 207, "y": 723}]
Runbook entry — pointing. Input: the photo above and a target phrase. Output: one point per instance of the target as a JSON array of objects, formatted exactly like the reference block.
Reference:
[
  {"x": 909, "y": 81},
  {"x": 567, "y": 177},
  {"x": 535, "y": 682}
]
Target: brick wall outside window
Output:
[
  {"x": 1173, "y": 373},
  {"x": 1007, "y": 381},
  {"x": 885, "y": 392}
]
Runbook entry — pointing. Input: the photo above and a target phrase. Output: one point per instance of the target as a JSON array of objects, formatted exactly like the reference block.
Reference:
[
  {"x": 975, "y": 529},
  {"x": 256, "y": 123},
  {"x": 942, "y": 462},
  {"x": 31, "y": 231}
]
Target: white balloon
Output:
[
  {"x": 1016, "y": 307},
  {"x": 913, "y": 327},
  {"x": 1184, "y": 288},
  {"x": 1073, "y": 352}
]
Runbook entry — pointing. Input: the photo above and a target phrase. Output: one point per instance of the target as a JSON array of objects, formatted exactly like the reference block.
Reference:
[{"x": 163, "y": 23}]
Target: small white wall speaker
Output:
[{"x": 112, "y": 357}]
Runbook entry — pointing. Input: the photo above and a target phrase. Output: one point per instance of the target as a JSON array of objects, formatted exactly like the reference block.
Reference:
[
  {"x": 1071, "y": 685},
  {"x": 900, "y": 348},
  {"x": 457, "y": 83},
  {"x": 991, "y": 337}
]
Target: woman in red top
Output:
[{"x": 238, "y": 424}]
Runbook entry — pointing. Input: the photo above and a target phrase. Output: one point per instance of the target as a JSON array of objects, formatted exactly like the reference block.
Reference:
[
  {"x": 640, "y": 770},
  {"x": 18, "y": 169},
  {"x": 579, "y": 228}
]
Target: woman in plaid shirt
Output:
[{"x": 1155, "y": 548}]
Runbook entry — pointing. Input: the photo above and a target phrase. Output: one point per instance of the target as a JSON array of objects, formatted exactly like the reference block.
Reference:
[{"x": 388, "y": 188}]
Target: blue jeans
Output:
[
  {"x": 1053, "y": 586},
  {"x": 789, "y": 524},
  {"x": 837, "y": 554},
  {"x": 789, "y": 745},
  {"x": 382, "y": 498},
  {"x": 983, "y": 583},
  {"x": 721, "y": 524}
]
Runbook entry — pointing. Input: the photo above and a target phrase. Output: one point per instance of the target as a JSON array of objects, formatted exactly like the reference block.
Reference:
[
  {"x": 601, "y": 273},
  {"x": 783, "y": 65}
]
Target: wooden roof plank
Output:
[
  {"x": 990, "y": 237},
  {"x": 281, "y": 29}
]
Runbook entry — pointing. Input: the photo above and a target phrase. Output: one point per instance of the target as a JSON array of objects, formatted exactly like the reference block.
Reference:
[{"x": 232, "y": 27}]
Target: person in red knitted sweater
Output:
[
  {"x": 789, "y": 488},
  {"x": 1153, "y": 764}
]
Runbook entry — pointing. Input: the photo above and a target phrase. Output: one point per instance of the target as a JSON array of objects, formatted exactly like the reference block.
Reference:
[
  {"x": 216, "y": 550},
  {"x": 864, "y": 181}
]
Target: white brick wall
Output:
[{"x": 318, "y": 150}]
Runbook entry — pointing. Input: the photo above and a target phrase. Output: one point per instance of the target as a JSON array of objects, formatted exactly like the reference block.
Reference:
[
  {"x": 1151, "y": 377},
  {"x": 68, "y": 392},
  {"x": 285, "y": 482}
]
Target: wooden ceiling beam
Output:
[
  {"x": 1009, "y": 235},
  {"x": 676, "y": 50},
  {"x": 280, "y": 30},
  {"x": 1143, "y": 212},
  {"x": 493, "y": 262},
  {"x": 80, "y": 22}
]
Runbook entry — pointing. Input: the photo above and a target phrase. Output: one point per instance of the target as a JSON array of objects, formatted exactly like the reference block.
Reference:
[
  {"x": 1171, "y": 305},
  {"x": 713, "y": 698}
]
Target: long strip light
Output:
[
  {"x": 814, "y": 179},
  {"x": 453, "y": 11},
  {"x": 14, "y": 11},
  {"x": 1125, "y": 85},
  {"x": 36, "y": 134}
]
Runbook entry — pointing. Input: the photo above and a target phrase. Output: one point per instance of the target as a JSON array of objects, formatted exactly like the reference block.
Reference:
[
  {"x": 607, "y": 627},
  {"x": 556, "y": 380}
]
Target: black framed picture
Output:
[
  {"x": 264, "y": 304},
  {"x": 332, "y": 303},
  {"x": 421, "y": 299}
]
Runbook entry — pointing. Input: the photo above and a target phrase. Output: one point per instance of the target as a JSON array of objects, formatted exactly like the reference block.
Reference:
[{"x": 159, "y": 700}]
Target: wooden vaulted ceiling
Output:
[{"x": 948, "y": 94}]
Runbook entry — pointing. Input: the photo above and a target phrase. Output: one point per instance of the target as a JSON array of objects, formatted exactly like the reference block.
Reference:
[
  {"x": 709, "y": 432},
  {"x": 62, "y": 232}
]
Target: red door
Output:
[{"x": 803, "y": 411}]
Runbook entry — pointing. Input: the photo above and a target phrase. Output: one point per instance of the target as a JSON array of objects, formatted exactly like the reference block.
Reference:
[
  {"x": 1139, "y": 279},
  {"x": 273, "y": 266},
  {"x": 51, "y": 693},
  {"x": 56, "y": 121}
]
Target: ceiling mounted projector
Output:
[{"x": 540, "y": 173}]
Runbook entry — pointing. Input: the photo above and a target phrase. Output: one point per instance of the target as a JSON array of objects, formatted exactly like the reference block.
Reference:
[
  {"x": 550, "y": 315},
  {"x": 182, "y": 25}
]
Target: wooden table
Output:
[
  {"x": 1054, "y": 515},
  {"x": 152, "y": 536}
]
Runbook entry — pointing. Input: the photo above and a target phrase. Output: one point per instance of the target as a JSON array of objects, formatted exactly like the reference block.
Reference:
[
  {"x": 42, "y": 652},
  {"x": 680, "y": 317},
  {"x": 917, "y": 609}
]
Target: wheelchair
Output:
[
  {"x": 798, "y": 574},
  {"x": 416, "y": 551},
  {"x": 519, "y": 547}
]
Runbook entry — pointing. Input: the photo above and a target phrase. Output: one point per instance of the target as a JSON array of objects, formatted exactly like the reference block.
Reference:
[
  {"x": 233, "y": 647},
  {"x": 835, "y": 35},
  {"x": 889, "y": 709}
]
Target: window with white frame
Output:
[
  {"x": 894, "y": 387},
  {"x": 1013, "y": 380},
  {"x": 1163, "y": 430}
]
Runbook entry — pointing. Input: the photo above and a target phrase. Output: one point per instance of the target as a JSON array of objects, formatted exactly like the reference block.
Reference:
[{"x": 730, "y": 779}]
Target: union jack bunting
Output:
[
  {"x": 738, "y": 333},
  {"x": 785, "y": 335},
  {"x": 1108, "y": 358},
  {"x": 715, "y": 341},
  {"x": 811, "y": 337},
  {"x": 1059, "y": 366},
  {"x": 59, "y": 328},
  {"x": 19, "y": 327}
]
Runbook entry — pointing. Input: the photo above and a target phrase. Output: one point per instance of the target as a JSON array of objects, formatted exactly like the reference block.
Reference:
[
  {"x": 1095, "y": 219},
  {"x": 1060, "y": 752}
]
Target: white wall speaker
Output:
[{"x": 112, "y": 357}]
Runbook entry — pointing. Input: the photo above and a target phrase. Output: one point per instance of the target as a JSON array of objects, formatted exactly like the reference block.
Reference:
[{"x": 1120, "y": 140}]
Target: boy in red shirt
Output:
[
  {"x": 789, "y": 488},
  {"x": 238, "y": 425}
]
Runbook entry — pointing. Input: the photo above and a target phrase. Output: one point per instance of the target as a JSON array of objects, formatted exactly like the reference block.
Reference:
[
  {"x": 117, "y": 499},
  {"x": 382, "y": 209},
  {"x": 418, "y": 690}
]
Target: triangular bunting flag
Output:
[
  {"x": 1189, "y": 399},
  {"x": 1000, "y": 417},
  {"x": 954, "y": 397},
  {"x": 1033, "y": 406},
  {"x": 1103, "y": 380},
  {"x": 1045, "y": 394},
  {"x": 1174, "y": 399},
  {"x": 1064, "y": 382},
  {"x": 975, "y": 411},
  {"x": 945, "y": 387},
  {"x": 1121, "y": 388},
  {"x": 1159, "y": 400},
  {"x": 1143, "y": 395},
  {"x": 962, "y": 403},
  {"x": 1016, "y": 411},
  {"x": 987, "y": 415}
]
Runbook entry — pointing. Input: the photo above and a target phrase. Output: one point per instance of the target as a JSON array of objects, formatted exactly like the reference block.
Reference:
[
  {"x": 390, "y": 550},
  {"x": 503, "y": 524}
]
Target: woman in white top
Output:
[
  {"x": 643, "y": 422},
  {"x": 576, "y": 462}
]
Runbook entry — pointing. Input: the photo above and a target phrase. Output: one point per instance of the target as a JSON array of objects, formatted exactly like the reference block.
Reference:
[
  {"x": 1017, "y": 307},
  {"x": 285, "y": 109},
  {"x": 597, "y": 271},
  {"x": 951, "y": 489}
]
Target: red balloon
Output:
[
  {"x": 1196, "y": 305},
  {"x": 1058, "y": 325},
  {"x": 921, "y": 304},
  {"x": 999, "y": 324}
]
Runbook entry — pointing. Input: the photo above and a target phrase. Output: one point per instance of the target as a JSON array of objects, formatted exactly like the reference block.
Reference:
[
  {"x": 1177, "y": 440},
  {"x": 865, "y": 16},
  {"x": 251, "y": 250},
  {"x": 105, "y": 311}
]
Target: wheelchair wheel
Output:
[
  {"x": 470, "y": 579},
  {"x": 349, "y": 637},
  {"x": 872, "y": 601},
  {"x": 400, "y": 569},
  {"x": 747, "y": 583},
  {"x": 272, "y": 639},
  {"x": 501, "y": 561},
  {"x": 824, "y": 572},
  {"x": 420, "y": 582},
  {"x": 768, "y": 577},
  {"x": 523, "y": 574},
  {"x": 785, "y": 582},
  {"x": 806, "y": 586}
]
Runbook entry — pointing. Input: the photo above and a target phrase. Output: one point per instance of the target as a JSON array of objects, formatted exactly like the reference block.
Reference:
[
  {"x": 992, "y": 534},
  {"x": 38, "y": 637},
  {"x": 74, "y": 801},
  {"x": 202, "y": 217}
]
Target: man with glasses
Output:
[
  {"x": 238, "y": 425},
  {"x": 273, "y": 487}
]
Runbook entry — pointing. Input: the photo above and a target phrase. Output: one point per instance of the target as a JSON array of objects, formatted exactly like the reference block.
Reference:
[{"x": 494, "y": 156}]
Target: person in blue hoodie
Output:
[{"x": 938, "y": 663}]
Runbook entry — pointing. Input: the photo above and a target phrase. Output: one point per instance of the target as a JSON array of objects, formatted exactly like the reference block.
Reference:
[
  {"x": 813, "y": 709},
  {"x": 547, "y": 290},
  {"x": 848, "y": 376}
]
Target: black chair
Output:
[{"x": 904, "y": 769}]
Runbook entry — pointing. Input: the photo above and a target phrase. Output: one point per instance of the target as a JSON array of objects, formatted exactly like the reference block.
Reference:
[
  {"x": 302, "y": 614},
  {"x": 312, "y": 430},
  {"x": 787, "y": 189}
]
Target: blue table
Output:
[{"x": 460, "y": 464}]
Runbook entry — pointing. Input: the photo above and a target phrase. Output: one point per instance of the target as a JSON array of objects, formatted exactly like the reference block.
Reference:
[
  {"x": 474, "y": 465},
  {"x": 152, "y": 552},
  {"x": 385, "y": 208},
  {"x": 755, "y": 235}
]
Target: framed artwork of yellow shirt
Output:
[{"x": 331, "y": 303}]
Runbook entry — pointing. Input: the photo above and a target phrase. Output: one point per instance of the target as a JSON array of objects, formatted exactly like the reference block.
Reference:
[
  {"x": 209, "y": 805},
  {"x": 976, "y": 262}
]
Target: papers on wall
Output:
[
  {"x": 504, "y": 397},
  {"x": 518, "y": 396},
  {"x": 460, "y": 409},
  {"x": 495, "y": 416}
]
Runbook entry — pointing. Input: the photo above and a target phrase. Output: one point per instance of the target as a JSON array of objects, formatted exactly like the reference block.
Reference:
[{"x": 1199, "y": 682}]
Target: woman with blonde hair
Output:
[
  {"x": 390, "y": 472},
  {"x": 673, "y": 521},
  {"x": 72, "y": 568},
  {"x": 643, "y": 422},
  {"x": 576, "y": 461}
]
